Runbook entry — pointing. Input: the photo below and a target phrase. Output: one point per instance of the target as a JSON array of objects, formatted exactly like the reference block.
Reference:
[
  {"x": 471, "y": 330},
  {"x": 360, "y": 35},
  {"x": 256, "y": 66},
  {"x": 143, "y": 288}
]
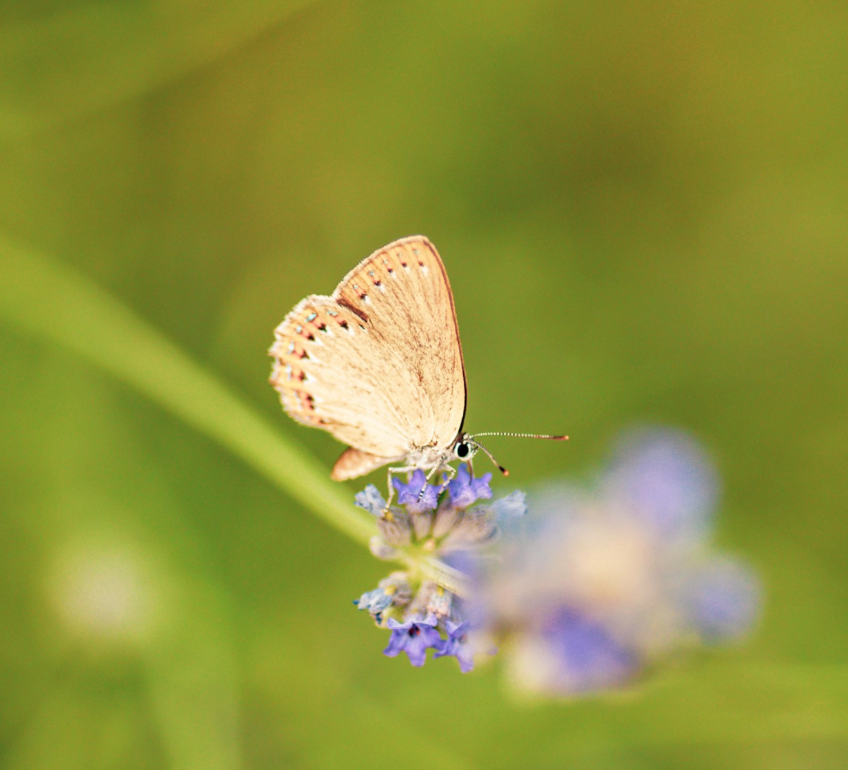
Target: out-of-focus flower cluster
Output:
[
  {"x": 605, "y": 581},
  {"x": 597, "y": 583}
]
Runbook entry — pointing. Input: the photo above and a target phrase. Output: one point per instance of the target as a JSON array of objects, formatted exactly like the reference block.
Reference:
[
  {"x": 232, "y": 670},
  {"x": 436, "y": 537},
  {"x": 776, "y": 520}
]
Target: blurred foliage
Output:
[{"x": 644, "y": 212}]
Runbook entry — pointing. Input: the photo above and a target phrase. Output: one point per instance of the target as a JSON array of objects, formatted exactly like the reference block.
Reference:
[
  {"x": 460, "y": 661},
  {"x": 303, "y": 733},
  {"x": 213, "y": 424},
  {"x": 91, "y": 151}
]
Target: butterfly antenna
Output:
[
  {"x": 520, "y": 435},
  {"x": 488, "y": 454}
]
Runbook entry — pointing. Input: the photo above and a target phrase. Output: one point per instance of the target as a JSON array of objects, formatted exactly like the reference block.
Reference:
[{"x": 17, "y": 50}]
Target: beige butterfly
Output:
[{"x": 379, "y": 364}]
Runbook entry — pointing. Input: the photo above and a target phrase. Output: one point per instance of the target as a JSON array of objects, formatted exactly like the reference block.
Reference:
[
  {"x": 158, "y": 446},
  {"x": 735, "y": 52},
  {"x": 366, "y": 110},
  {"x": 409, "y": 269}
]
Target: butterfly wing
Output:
[
  {"x": 354, "y": 462},
  {"x": 378, "y": 364},
  {"x": 331, "y": 374},
  {"x": 403, "y": 290}
]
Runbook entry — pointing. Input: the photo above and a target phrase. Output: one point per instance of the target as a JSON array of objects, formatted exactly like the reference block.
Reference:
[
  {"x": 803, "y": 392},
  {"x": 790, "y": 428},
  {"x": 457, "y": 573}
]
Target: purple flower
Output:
[
  {"x": 370, "y": 500},
  {"x": 409, "y": 493},
  {"x": 392, "y": 590},
  {"x": 457, "y": 646},
  {"x": 476, "y": 528},
  {"x": 663, "y": 477},
  {"x": 437, "y": 601},
  {"x": 588, "y": 657},
  {"x": 586, "y": 591},
  {"x": 395, "y": 528},
  {"x": 374, "y": 601},
  {"x": 465, "y": 490},
  {"x": 513, "y": 506},
  {"x": 414, "y": 638},
  {"x": 723, "y": 599}
]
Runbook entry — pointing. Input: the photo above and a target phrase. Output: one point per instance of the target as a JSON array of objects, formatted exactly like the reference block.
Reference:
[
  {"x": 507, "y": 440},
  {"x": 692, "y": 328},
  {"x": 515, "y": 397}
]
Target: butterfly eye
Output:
[{"x": 463, "y": 450}]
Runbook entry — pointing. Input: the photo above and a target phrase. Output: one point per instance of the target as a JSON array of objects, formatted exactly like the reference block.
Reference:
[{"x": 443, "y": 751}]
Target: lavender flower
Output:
[
  {"x": 722, "y": 599},
  {"x": 585, "y": 592},
  {"x": 457, "y": 646},
  {"x": 465, "y": 490},
  {"x": 604, "y": 583},
  {"x": 664, "y": 477},
  {"x": 375, "y": 601},
  {"x": 417, "y": 495},
  {"x": 513, "y": 506},
  {"x": 370, "y": 500},
  {"x": 392, "y": 591},
  {"x": 414, "y": 637},
  {"x": 420, "y": 606},
  {"x": 571, "y": 654}
]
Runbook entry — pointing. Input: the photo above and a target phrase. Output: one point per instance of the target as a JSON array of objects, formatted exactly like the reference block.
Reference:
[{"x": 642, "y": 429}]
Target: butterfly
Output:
[{"x": 378, "y": 364}]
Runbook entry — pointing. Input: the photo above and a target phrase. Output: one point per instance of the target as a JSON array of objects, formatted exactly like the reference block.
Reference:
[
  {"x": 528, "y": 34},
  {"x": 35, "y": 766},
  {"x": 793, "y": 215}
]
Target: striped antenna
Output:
[
  {"x": 522, "y": 435},
  {"x": 473, "y": 441},
  {"x": 489, "y": 455}
]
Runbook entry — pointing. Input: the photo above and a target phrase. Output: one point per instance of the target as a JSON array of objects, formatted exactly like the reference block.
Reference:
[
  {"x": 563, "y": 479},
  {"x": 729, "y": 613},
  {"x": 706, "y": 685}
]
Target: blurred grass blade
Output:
[
  {"x": 53, "y": 301},
  {"x": 58, "y": 66}
]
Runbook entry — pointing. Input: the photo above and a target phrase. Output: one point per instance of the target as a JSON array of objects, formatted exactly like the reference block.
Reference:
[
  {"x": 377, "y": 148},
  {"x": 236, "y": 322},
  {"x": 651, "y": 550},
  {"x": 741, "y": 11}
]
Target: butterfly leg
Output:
[
  {"x": 427, "y": 481},
  {"x": 451, "y": 473},
  {"x": 390, "y": 486}
]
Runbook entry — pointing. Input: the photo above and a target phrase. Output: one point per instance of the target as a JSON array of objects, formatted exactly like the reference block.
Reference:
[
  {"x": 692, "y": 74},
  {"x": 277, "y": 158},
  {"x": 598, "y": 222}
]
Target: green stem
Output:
[{"x": 54, "y": 302}]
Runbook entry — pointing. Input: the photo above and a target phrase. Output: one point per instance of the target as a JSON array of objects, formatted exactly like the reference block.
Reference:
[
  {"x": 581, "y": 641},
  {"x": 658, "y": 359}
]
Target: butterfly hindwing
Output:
[{"x": 354, "y": 462}]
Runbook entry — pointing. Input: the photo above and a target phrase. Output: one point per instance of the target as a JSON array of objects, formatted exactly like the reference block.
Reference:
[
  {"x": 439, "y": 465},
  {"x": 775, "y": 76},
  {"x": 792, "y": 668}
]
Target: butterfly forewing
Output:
[
  {"x": 404, "y": 291},
  {"x": 378, "y": 364}
]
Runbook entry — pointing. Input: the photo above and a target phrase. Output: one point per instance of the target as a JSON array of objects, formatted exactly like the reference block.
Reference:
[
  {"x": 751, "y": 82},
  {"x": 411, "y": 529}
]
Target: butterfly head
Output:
[{"x": 465, "y": 447}]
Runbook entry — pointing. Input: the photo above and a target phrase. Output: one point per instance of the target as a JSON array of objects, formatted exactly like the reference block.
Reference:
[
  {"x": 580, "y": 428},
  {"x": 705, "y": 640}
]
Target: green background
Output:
[{"x": 643, "y": 209}]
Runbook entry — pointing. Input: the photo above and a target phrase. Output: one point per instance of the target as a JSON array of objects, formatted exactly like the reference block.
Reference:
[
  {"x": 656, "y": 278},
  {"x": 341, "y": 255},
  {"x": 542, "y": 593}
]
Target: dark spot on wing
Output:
[{"x": 355, "y": 310}]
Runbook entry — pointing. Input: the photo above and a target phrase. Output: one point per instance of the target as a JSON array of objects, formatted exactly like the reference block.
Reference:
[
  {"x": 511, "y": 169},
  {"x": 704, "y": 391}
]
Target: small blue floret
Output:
[
  {"x": 465, "y": 490},
  {"x": 371, "y": 500},
  {"x": 414, "y": 638},
  {"x": 374, "y": 601},
  {"x": 457, "y": 646},
  {"x": 513, "y": 506},
  {"x": 411, "y": 496}
]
